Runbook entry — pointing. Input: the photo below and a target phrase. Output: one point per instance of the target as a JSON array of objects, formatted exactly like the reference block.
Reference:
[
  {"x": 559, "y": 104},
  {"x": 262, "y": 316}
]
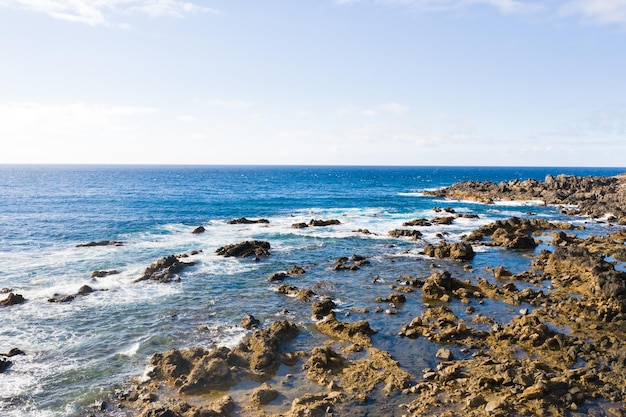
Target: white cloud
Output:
[
  {"x": 503, "y": 6},
  {"x": 602, "y": 12},
  {"x": 37, "y": 124},
  {"x": 102, "y": 12}
]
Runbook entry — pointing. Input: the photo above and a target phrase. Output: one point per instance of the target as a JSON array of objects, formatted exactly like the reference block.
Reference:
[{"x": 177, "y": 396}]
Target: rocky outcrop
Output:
[
  {"x": 358, "y": 332},
  {"x": 576, "y": 269},
  {"x": 262, "y": 395},
  {"x": 281, "y": 275},
  {"x": 249, "y": 322},
  {"x": 514, "y": 233},
  {"x": 594, "y": 196},
  {"x": 198, "y": 230},
  {"x": 165, "y": 270},
  {"x": 244, "y": 220},
  {"x": 352, "y": 263},
  {"x": 100, "y": 243},
  {"x": 410, "y": 233},
  {"x": 198, "y": 370},
  {"x": 321, "y": 223},
  {"x": 102, "y": 274},
  {"x": 459, "y": 251},
  {"x": 245, "y": 249},
  {"x": 442, "y": 286},
  {"x": 417, "y": 222},
  {"x": 4, "y": 365},
  {"x": 12, "y": 299}
]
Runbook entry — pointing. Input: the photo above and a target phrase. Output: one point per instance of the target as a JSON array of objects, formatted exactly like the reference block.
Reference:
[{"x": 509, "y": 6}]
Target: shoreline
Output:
[{"x": 562, "y": 357}]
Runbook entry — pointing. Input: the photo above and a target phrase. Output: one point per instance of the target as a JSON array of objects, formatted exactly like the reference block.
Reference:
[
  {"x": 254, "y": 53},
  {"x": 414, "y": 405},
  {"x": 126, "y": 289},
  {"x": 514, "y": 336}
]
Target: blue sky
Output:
[{"x": 348, "y": 82}]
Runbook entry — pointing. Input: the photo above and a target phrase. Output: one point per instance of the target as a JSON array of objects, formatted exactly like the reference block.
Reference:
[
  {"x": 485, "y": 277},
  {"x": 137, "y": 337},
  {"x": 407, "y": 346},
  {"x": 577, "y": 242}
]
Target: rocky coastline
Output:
[{"x": 563, "y": 354}]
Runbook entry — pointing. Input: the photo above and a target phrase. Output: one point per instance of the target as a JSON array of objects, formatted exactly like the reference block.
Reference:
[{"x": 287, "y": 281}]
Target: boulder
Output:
[
  {"x": 263, "y": 395},
  {"x": 318, "y": 223},
  {"x": 164, "y": 270},
  {"x": 198, "y": 230},
  {"x": 100, "y": 243},
  {"x": 243, "y": 220},
  {"x": 459, "y": 251},
  {"x": 245, "y": 249},
  {"x": 4, "y": 365},
  {"x": 249, "y": 322},
  {"x": 413, "y": 234},
  {"x": 12, "y": 299},
  {"x": 102, "y": 274}
]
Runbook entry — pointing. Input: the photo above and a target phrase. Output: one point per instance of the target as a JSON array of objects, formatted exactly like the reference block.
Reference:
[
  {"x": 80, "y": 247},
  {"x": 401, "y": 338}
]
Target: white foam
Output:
[{"x": 131, "y": 350}]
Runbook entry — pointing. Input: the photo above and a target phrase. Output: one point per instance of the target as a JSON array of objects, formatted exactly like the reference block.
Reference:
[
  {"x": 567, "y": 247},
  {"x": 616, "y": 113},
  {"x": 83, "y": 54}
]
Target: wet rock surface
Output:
[
  {"x": 245, "y": 249},
  {"x": 12, "y": 299},
  {"x": 100, "y": 243},
  {"x": 165, "y": 269},
  {"x": 244, "y": 220}
]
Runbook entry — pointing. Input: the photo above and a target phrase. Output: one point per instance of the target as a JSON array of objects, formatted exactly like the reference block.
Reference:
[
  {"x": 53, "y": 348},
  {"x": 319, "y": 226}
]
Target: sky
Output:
[{"x": 313, "y": 82}]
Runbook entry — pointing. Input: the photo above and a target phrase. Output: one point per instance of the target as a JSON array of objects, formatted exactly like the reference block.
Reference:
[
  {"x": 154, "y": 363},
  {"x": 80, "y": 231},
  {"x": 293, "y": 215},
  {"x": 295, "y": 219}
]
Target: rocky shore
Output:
[{"x": 563, "y": 354}]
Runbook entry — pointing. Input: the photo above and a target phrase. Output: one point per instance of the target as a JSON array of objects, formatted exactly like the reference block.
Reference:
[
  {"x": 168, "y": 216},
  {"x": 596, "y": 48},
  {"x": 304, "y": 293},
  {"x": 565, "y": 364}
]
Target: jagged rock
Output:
[
  {"x": 417, "y": 222},
  {"x": 352, "y": 263},
  {"x": 249, "y": 322},
  {"x": 102, "y": 274},
  {"x": 277, "y": 276},
  {"x": 330, "y": 222},
  {"x": 299, "y": 225},
  {"x": 62, "y": 298},
  {"x": 445, "y": 220},
  {"x": 444, "y": 354},
  {"x": 245, "y": 249},
  {"x": 12, "y": 299},
  {"x": 264, "y": 394},
  {"x": 100, "y": 243},
  {"x": 441, "y": 284},
  {"x": 198, "y": 230},
  {"x": 4, "y": 365},
  {"x": 594, "y": 196},
  {"x": 13, "y": 352},
  {"x": 85, "y": 289},
  {"x": 164, "y": 270},
  {"x": 323, "y": 308},
  {"x": 458, "y": 250},
  {"x": 358, "y": 332},
  {"x": 413, "y": 234},
  {"x": 243, "y": 220}
]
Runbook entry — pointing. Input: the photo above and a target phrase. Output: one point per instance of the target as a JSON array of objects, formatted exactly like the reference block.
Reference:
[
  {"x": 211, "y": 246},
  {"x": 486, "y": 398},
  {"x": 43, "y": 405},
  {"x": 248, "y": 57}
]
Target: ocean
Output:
[{"x": 77, "y": 352}]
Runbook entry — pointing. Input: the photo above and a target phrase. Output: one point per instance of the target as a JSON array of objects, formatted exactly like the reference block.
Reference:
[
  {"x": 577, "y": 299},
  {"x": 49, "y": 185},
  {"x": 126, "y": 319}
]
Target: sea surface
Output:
[{"x": 78, "y": 352}]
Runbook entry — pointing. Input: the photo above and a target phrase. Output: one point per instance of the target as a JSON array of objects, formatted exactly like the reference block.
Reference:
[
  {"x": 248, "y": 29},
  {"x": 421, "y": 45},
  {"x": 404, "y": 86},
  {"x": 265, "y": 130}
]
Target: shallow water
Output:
[{"x": 77, "y": 351}]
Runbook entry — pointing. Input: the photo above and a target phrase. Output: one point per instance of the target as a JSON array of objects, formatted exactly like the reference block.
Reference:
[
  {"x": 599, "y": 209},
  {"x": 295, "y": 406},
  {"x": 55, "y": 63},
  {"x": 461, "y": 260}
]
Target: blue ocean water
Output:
[{"x": 78, "y": 351}]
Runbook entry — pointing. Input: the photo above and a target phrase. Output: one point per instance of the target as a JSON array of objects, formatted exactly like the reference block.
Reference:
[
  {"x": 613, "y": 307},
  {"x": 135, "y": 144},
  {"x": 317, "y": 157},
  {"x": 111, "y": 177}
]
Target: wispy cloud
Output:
[
  {"x": 28, "y": 119},
  {"x": 105, "y": 12},
  {"x": 600, "y": 12},
  {"x": 504, "y": 6}
]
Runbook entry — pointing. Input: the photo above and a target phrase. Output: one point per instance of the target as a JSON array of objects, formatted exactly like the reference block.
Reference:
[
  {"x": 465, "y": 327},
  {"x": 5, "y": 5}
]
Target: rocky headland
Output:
[{"x": 562, "y": 354}]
